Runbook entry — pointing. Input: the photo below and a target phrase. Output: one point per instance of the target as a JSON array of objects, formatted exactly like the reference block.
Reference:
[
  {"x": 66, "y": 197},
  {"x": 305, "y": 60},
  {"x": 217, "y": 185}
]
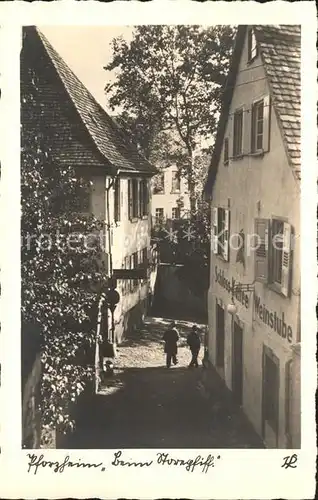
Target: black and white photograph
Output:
[{"x": 161, "y": 171}]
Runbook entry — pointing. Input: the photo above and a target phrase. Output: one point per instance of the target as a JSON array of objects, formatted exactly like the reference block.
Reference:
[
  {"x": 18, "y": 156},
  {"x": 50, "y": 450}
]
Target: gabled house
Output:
[
  {"x": 170, "y": 195},
  {"x": 254, "y": 189},
  {"x": 86, "y": 137}
]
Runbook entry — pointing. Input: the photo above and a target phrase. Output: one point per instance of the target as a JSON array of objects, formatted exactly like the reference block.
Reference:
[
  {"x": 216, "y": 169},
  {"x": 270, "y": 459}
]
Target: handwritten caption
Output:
[{"x": 198, "y": 463}]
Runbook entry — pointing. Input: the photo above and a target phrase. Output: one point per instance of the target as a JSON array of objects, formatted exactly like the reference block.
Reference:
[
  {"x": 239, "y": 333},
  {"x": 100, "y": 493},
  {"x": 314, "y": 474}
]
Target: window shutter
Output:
[
  {"x": 117, "y": 200},
  {"x": 266, "y": 123},
  {"x": 226, "y": 251},
  {"x": 146, "y": 196},
  {"x": 286, "y": 260},
  {"x": 130, "y": 200},
  {"x": 261, "y": 252},
  {"x": 247, "y": 131},
  {"x": 214, "y": 245},
  {"x": 141, "y": 198},
  {"x": 138, "y": 204},
  {"x": 226, "y": 151}
]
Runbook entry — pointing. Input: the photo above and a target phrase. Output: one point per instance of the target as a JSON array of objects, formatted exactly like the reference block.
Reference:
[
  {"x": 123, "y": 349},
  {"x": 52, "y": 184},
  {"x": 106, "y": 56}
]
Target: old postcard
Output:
[{"x": 158, "y": 250}]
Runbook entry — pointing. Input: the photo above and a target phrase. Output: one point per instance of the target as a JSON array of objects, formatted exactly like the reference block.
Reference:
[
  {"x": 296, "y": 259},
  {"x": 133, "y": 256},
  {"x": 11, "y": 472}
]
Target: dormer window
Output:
[{"x": 252, "y": 48}]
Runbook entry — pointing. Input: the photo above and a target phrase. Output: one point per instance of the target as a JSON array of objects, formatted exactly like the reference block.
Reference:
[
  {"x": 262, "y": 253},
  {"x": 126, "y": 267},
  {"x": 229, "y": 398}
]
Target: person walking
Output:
[
  {"x": 171, "y": 337},
  {"x": 194, "y": 342}
]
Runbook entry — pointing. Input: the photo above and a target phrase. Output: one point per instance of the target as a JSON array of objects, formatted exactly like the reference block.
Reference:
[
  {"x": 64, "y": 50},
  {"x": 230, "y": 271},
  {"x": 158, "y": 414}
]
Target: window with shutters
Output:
[
  {"x": 135, "y": 209},
  {"x": 252, "y": 47},
  {"x": 117, "y": 195},
  {"x": 143, "y": 197},
  {"x": 257, "y": 126},
  {"x": 273, "y": 254},
  {"x": 277, "y": 236},
  {"x": 220, "y": 232},
  {"x": 133, "y": 198},
  {"x": 226, "y": 151},
  {"x": 237, "y": 133},
  {"x": 260, "y": 126}
]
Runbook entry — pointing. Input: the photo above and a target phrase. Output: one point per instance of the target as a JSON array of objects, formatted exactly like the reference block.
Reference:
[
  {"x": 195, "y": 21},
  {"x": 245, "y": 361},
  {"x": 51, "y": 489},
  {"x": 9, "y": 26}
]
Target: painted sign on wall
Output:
[
  {"x": 232, "y": 286},
  {"x": 275, "y": 321}
]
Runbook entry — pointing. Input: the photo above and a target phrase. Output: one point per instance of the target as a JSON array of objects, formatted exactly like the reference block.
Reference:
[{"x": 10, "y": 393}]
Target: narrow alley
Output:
[{"x": 145, "y": 405}]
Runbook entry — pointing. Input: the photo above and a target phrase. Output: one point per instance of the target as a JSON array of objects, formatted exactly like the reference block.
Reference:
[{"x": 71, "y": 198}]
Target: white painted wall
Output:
[
  {"x": 127, "y": 237},
  {"x": 168, "y": 200},
  {"x": 241, "y": 186}
]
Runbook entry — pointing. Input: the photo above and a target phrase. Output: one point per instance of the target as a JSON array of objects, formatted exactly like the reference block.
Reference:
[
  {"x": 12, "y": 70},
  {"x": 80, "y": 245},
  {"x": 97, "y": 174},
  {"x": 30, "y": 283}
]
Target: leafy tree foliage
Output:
[
  {"x": 60, "y": 255},
  {"x": 171, "y": 78}
]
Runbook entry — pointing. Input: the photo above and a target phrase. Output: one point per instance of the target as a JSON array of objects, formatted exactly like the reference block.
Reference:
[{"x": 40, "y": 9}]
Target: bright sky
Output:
[{"x": 86, "y": 49}]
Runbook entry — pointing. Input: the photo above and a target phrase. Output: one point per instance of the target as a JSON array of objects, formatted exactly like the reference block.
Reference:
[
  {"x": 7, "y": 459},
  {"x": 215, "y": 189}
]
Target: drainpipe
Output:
[
  {"x": 101, "y": 300},
  {"x": 110, "y": 272}
]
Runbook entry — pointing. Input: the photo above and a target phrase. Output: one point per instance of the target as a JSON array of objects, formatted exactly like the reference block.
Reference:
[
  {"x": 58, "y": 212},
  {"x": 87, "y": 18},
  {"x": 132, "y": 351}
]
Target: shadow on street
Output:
[{"x": 160, "y": 408}]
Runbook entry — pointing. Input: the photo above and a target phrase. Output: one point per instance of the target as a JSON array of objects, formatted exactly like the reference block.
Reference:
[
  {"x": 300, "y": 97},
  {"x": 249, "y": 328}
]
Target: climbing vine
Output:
[{"x": 60, "y": 257}]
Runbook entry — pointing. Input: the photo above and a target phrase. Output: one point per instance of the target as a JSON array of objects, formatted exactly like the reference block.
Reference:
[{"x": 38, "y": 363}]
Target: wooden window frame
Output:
[
  {"x": 117, "y": 200},
  {"x": 267, "y": 253},
  {"x": 159, "y": 220},
  {"x": 143, "y": 198},
  {"x": 221, "y": 232},
  {"x": 252, "y": 46},
  {"x": 255, "y": 135},
  {"x": 276, "y": 253},
  {"x": 135, "y": 198},
  {"x": 266, "y": 126}
]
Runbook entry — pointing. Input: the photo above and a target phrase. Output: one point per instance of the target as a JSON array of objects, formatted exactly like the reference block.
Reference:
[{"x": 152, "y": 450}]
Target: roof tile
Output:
[
  {"x": 111, "y": 142},
  {"x": 281, "y": 53}
]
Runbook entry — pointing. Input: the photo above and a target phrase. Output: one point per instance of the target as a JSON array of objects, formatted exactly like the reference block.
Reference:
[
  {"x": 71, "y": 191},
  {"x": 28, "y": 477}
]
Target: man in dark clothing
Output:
[
  {"x": 171, "y": 337},
  {"x": 194, "y": 342}
]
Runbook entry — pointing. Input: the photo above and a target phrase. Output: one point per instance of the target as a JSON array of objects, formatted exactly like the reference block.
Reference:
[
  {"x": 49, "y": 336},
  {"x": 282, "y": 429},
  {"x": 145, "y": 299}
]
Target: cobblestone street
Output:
[{"x": 145, "y": 405}]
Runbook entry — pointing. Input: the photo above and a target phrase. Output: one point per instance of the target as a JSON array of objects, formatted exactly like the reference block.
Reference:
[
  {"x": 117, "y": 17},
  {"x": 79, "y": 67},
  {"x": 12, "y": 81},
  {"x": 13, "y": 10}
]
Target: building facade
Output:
[
  {"x": 254, "y": 187},
  {"x": 170, "y": 196},
  {"x": 88, "y": 139}
]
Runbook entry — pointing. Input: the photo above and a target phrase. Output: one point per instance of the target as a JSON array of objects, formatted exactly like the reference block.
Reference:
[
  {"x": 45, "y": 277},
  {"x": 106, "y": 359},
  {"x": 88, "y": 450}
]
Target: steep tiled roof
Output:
[
  {"x": 279, "y": 47},
  {"x": 280, "y": 51},
  {"x": 97, "y": 129}
]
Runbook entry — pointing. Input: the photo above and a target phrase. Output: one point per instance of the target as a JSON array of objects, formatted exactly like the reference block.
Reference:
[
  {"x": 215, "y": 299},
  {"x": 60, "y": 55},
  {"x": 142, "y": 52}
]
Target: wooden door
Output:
[
  {"x": 270, "y": 406},
  {"x": 219, "y": 336}
]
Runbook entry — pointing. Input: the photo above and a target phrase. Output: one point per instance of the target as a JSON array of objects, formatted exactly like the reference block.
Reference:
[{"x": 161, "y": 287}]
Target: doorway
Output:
[
  {"x": 270, "y": 406},
  {"x": 237, "y": 364},
  {"x": 219, "y": 336}
]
